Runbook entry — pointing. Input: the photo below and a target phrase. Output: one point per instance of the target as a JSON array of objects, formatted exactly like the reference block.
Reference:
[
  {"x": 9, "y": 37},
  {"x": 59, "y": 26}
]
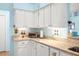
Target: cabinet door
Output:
[
  {"x": 42, "y": 50},
  {"x": 22, "y": 48},
  {"x": 33, "y": 48},
  {"x": 65, "y": 54},
  {"x": 41, "y": 18},
  {"x": 19, "y": 18},
  {"x": 47, "y": 20},
  {"x": 36, "y": 22},
  {"x": 54, "y": 52},
  {"x": 19, "y": 49},
  {"x": 21, "y": 52},
  {"x": 59, "y": 15},
  {"x": 29, "y": 19}
]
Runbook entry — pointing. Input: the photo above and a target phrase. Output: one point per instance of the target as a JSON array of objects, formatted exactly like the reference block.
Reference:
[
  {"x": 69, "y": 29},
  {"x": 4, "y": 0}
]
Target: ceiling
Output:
[{"x": 29, "y": 6}]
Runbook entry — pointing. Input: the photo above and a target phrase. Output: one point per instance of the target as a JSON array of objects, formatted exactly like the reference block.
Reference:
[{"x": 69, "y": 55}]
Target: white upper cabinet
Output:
[
  {"x": 36, "y": 22},
  {"x": 54, "y": 15},
  {"x": 24, "y": 18},
  {"x": 41, "y": 17},
  {"x": 19, "y": 18},
  {"x": 59, "y": 15},
  {"x": 47, "y": 19},
  {"x": 29, "y": 19}
]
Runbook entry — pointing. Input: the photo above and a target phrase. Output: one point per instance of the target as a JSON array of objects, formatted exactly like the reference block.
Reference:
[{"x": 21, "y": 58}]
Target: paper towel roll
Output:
[{"x": 41, "y": 33}]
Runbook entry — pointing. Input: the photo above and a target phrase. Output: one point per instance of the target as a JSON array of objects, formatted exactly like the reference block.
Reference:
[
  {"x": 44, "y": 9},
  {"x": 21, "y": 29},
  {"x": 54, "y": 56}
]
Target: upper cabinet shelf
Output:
[{"x": 29, "y": 6}]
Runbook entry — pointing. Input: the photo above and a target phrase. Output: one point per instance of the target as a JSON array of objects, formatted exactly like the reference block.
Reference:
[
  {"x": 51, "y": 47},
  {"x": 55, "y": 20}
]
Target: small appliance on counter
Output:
[{"x": 33, "y": 35}]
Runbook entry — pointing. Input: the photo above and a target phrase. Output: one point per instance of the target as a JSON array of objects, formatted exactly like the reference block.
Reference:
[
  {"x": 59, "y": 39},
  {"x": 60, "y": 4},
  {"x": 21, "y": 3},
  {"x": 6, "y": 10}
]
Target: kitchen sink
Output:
[{"x": 75, "y": 49}]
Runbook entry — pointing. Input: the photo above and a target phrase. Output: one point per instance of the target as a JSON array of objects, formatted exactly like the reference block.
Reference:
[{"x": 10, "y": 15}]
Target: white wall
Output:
[{"x": 29, "y": 6}]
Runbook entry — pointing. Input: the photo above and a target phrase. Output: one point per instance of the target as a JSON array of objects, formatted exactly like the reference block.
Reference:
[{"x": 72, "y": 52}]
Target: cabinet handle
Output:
[{"x": 54, "y": 54}]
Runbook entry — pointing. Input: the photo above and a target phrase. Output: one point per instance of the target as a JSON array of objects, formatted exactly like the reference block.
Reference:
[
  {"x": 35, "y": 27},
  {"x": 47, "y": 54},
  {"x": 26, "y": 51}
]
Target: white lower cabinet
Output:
[
  {"x": 32, "y": 48},
  {"x": 25, "y": 48},
  {"x": 54, "y": 52},
  {"x": 42, "y": 50},
  {"x": 65, "y": 54},
  {"x": 21, "y": 51},
  {"x": 22, "y": 48}
]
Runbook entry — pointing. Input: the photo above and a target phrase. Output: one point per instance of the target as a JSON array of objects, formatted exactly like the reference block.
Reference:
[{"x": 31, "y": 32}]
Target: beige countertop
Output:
[
  {"x": 58, "y": 43},
  {"x": 61, "y": 45}
]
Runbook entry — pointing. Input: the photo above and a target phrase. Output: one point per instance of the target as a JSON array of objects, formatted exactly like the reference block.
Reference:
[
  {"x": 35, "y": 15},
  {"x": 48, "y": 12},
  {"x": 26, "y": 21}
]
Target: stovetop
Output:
[{"x": 75, "y": 49}]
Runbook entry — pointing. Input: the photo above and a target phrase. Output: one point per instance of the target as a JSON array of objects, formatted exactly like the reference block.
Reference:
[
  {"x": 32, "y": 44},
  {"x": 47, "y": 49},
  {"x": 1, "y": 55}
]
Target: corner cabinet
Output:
[
  {"x": 39, "y": 18},
  {"x": 43, "y": 17}
]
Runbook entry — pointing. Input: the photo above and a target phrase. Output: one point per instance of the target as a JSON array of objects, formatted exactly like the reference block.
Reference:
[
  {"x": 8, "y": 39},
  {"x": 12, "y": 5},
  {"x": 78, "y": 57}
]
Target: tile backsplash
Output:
[
  {"x": 50, "y": 31},
  {"x": 60, "y": 32}
]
